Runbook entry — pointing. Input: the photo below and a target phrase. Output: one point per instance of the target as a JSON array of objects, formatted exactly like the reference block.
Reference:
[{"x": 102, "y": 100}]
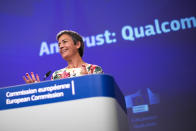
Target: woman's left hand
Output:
[{"x": 84, "y": 70}]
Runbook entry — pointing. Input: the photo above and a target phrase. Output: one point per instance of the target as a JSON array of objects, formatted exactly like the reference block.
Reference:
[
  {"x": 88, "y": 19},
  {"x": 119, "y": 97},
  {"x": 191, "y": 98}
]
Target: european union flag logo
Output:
[{"x": 140, "y": 100}]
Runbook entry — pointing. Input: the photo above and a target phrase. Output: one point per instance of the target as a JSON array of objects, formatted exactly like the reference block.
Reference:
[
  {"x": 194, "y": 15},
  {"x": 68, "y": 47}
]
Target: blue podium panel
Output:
[{"x": 91, "y": 102}]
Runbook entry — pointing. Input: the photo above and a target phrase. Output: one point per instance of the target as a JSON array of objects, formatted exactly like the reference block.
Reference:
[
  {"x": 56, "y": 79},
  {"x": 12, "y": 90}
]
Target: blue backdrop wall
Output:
[{"x": 149, "y": 47}]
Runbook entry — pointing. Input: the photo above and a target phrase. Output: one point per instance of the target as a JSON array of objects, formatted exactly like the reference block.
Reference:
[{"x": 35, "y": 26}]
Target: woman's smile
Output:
[{"x": 64, "y": 50}]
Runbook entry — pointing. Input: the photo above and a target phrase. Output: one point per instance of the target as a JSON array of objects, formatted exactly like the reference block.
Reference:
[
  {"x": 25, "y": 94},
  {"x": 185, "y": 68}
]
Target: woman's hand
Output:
[
  {"x": 32, "y": 78},
  {"x": 84, "y": 71}
]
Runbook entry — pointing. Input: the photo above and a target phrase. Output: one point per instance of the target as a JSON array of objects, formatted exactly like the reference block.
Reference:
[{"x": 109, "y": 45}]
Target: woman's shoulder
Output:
[
  {"x": 94, "y": 69},
  {"x": 59, "y": 71}
]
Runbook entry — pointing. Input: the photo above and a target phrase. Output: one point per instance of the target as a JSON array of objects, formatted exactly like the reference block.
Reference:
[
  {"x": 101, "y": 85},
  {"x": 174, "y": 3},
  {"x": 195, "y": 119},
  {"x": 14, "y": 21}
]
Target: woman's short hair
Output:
[{"x": 75, "y": 37}]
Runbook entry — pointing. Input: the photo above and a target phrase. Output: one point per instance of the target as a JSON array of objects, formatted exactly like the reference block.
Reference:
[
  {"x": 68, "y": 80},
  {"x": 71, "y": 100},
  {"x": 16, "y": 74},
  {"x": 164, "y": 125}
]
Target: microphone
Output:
[{"x": 47, "y": 74}]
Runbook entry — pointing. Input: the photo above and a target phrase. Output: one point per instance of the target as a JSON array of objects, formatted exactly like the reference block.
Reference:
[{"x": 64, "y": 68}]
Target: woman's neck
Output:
[{"x": 75, "y": 62}]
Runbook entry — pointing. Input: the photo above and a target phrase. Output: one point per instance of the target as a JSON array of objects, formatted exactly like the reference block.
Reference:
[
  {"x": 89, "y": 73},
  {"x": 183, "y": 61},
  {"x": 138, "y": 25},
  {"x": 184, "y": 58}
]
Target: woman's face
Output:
[{"x": 67, "y": 48}]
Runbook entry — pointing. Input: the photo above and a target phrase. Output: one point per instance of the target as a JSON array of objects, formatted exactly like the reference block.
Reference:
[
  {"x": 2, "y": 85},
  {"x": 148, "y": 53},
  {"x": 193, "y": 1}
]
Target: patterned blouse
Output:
[{"x": 73, "y": 72}]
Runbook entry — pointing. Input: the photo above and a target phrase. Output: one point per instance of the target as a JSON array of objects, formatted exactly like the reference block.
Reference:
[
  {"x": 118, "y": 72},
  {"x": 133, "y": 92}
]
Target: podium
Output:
[{"x": 86, "y": 103}]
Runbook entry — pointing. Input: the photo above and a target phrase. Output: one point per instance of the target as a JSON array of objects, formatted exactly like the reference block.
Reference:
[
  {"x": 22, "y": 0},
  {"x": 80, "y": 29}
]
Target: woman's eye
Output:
[{"x": 64, "y": 41}]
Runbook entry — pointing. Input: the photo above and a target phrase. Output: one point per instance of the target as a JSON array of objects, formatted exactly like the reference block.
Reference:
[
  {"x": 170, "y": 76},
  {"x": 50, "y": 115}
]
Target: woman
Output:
[{"x": 71, "y": 48}]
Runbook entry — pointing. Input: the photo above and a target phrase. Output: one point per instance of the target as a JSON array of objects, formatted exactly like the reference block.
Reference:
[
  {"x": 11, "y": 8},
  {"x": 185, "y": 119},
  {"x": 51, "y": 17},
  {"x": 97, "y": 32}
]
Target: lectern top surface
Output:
[{"x": 99, "y": 85}]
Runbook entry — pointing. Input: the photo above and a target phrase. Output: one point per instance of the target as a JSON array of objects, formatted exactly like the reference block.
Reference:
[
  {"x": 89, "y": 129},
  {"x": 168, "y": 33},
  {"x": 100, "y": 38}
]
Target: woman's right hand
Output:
[{"x": 31, "y": 79}]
